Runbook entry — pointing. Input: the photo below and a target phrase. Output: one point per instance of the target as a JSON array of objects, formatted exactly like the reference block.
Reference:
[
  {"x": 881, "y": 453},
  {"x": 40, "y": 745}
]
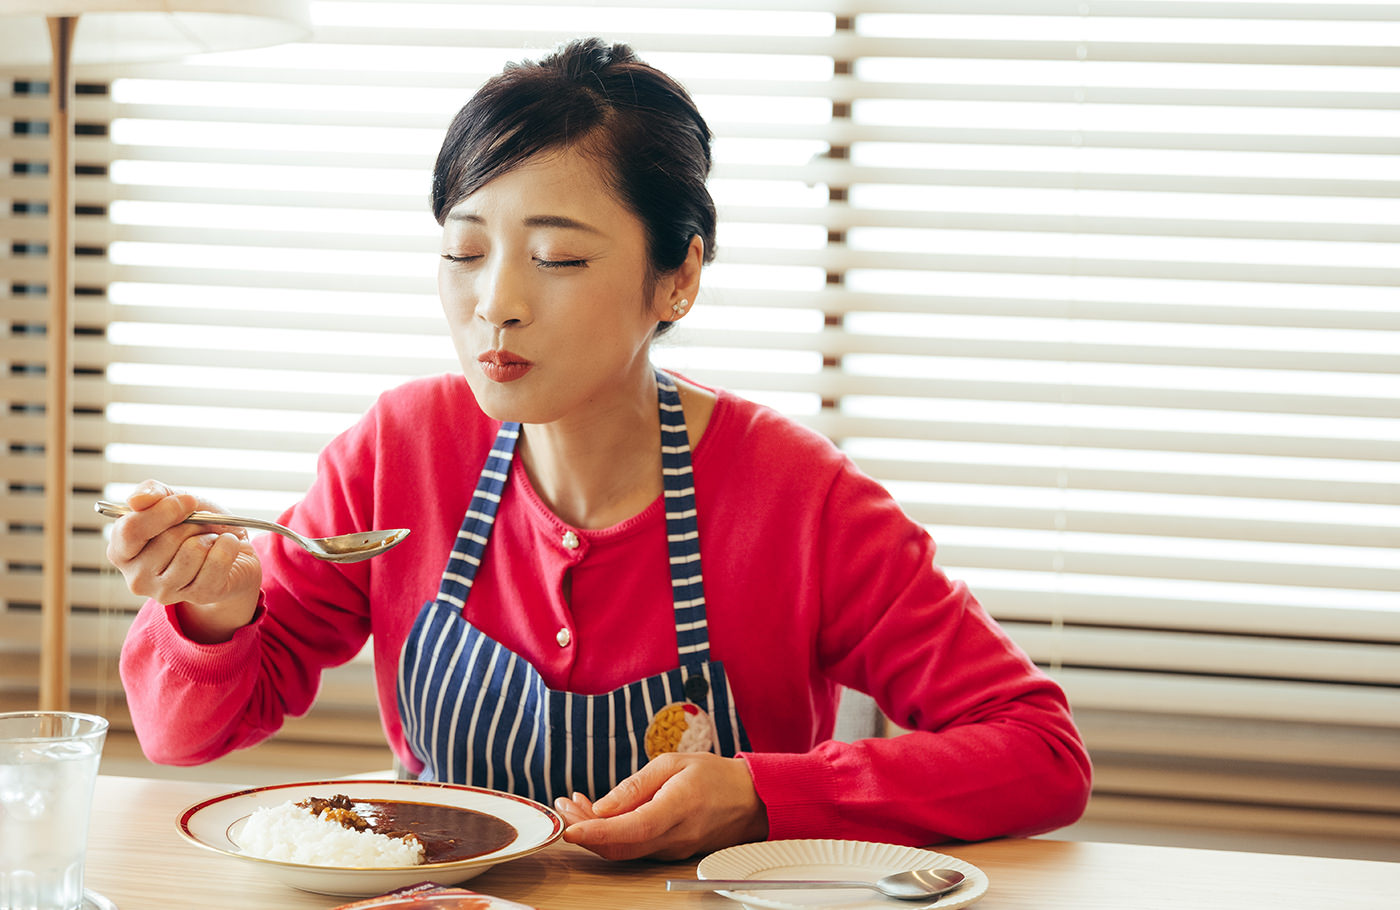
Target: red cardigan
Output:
[{"x": 814, "y": 578}]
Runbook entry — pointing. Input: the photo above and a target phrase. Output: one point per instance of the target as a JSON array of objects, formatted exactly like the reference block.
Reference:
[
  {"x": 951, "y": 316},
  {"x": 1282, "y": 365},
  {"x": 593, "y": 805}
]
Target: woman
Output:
[{"x": 658, "y": 589}]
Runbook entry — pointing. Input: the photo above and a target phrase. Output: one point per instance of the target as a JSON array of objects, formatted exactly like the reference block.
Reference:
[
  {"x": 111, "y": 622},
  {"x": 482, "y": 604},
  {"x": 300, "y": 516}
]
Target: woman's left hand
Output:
[{"x": 679, "y": 804}]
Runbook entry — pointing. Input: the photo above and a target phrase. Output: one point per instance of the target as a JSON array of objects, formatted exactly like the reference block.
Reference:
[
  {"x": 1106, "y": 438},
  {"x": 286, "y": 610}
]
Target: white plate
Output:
[
  {"x": 214, "y": 824},
  {"x": 835, "y": 859}
]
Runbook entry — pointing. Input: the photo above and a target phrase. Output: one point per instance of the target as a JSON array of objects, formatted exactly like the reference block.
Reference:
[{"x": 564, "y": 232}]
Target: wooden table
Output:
[{"x": 137, "y": 860}]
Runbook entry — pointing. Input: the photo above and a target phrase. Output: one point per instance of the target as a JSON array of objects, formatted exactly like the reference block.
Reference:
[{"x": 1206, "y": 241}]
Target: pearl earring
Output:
[{"x": 680, "y": 308}]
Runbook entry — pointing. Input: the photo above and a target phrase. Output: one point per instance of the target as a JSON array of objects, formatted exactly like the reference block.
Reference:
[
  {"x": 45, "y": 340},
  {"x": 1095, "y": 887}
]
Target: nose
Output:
[{"x": 501, "y": 298}]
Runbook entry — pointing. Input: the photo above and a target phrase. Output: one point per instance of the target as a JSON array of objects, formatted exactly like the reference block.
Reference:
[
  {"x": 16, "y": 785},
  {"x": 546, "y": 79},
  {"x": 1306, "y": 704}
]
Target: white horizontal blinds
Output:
[
  {"x": 276, "y": 241},
  {"x": 271, "y": 228},
  {"x": 1131, "y": 268}
]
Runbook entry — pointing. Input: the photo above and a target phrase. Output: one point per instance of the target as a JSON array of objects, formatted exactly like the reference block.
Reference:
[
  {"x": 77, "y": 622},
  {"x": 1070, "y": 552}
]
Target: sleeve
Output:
[
  {"x": 191, "y": 703},
  {"x": 992, "y": 751}
]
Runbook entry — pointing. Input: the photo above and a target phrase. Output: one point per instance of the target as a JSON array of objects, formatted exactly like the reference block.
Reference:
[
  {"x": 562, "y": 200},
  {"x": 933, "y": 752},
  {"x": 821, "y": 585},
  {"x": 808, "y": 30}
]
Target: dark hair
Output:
[{"x": 602, "y": 100}]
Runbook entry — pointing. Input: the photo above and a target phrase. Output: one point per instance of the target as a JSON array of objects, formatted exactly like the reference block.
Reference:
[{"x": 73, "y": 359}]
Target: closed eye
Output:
[
  {"x": 560, "y": 263},
  {"x": 451, "y": 258}
]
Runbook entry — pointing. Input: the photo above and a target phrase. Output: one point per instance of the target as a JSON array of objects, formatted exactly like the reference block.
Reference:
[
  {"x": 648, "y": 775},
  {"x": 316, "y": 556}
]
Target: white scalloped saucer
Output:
[{"x": 835, "y": 859}]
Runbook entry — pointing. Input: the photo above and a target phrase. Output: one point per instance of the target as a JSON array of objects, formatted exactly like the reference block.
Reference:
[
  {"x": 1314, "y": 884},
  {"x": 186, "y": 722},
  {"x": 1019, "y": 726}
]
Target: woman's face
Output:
[{"x": 542, "y": 279}]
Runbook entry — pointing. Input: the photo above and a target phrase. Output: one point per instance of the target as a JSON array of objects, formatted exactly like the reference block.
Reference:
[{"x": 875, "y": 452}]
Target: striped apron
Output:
[{"x": 474, "y": 712}]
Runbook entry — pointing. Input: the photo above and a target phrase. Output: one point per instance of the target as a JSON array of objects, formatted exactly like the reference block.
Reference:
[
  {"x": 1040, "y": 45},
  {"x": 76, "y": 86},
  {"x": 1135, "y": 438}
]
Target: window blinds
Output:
[{"x": 1105, "y": 292}]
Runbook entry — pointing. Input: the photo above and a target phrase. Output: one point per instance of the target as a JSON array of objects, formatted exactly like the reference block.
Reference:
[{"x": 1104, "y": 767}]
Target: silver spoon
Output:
[
  {"x": 906, "y": 886},
  {"x": 341, "y": 548}
]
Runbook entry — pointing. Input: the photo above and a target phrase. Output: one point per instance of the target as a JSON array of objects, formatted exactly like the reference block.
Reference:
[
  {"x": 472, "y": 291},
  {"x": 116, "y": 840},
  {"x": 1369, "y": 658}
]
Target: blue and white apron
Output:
[{"x": 475, "y": 712}]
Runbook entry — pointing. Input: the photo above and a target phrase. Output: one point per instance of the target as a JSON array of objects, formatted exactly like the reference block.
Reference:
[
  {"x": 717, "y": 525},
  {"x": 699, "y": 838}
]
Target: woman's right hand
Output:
[{"x": 209, "y": 572}]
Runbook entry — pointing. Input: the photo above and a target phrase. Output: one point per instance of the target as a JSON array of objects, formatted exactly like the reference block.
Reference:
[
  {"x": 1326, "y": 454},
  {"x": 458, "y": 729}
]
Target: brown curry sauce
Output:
[{"x": 448, "y": 834}]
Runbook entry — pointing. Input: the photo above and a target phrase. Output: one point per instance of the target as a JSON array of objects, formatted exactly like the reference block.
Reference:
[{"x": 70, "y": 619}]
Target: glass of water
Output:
[{"x": 48, "y": 767}]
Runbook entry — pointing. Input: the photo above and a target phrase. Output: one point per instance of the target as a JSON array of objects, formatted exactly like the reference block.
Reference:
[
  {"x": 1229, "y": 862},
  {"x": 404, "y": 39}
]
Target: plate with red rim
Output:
[{"x": 214, "y": 824}]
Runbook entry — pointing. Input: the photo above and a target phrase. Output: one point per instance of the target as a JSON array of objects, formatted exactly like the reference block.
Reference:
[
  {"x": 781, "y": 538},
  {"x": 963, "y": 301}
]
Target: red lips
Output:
[{"x": 503, "y": 366}]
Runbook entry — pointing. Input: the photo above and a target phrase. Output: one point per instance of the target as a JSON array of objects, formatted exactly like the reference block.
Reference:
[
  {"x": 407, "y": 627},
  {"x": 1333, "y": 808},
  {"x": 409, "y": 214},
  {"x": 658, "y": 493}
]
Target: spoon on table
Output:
[
  {"x": 341, "y": 548},
  {"x": 906, "y": 886}
]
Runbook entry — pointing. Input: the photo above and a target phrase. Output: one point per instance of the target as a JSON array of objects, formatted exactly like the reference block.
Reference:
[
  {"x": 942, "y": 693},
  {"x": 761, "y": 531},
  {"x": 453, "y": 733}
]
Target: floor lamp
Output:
[{"x": 67, "y": 34}]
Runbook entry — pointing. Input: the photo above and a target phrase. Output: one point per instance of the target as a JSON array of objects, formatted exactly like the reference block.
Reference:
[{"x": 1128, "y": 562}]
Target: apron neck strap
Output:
[{"x": 682, "y": 530}]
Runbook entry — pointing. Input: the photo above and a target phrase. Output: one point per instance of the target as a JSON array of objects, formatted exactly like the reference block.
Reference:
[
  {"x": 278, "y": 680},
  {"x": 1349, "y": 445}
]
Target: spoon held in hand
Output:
[{"x": 341, "y": 548}]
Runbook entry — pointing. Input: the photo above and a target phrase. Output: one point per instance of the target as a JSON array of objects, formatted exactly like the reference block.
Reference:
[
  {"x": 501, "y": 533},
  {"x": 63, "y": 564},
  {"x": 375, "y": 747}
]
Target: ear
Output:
[{"x": 676, "y": 292}]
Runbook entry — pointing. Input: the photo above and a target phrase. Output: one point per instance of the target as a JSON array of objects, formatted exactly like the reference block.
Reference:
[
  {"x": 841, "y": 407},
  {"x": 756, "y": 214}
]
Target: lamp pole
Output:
[
  {"x": 149, "y": 30},
  {"x": 54, "y": 660}
]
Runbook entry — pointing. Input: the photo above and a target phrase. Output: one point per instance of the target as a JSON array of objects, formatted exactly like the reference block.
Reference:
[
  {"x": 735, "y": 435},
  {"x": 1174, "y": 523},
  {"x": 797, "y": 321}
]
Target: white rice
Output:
[{"x": 294, "y": 835}]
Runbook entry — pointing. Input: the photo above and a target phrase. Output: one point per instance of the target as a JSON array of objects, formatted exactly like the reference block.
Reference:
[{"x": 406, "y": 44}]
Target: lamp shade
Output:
[{"x": 118, "y": 31}]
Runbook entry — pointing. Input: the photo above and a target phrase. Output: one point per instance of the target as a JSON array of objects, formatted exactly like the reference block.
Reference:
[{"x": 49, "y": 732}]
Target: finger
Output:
[
  {"x": 569, "y": 811},
  {"x": 211, "y": 580},
  {"x": 187, "y": 562},
  {"x": 627, "y": 836},
  {"x": 145, "y": 572},
  {"x": 637, "y": 789},
  {"x": 131, "y": 533},
  {"x": 639, "y": 826},
  {"x": 199, "y": 502},
  {"x": 576, "y": 808},
  {"x": 246, "y": 574},
  {"x": 164, "y": 578},
  {"x": 147, "y": 493}
]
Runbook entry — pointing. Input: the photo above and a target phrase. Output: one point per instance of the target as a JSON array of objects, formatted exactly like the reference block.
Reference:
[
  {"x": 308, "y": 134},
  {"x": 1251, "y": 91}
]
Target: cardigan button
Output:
[
  {"x": 570, "y": 540},
  {"x": 563, "y": 637}
]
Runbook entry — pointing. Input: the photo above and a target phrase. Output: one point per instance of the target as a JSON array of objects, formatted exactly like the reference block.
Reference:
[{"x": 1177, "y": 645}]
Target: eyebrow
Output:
[{"x": 549, "y": 221}]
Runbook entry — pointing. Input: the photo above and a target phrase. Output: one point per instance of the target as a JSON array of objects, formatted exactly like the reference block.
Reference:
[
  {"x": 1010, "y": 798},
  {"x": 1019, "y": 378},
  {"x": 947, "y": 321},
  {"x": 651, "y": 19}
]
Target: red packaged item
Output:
[{"x": 432, "y": 896}]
